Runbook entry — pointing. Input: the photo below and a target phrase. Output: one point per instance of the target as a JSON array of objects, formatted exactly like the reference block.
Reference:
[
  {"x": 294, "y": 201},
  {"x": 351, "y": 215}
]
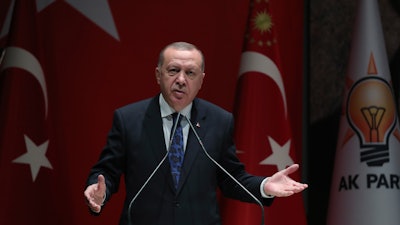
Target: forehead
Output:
[{"x": 181, "y": 56}]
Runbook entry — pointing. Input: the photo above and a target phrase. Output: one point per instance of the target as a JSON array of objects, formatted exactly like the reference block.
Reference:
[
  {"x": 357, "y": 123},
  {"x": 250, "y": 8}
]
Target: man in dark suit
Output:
[{"x": 138, "y": 144}]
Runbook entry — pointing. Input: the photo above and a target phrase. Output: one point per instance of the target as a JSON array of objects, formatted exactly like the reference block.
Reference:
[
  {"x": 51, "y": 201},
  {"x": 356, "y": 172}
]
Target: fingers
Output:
[
  {"x": 291, "y": 169},
  {"x": 94, "y": 206},
  {"x": 288, "y": 186},
  {"x": 91, "y": 199},
  {"x": 288, "y": 191},
  {"x": 95, "y": 193},
  {"x": 101, "y": 181},
  {"x": 297, "y": 187},
  {"x": 285, "y": 194}
]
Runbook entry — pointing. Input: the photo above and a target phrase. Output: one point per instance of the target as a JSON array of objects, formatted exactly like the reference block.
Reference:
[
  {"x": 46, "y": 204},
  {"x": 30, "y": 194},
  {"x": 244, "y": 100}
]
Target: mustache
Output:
[{"x": 179, "y": 87}]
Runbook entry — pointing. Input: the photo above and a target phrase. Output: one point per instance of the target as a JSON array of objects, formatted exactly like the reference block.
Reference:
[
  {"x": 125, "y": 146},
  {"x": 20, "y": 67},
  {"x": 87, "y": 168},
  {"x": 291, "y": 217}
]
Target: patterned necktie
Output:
[{"x": 176, "y": 152}]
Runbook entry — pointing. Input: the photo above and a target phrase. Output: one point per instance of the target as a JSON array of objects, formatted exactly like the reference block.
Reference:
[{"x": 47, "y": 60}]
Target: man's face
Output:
[{"x": 180, "y": 77}]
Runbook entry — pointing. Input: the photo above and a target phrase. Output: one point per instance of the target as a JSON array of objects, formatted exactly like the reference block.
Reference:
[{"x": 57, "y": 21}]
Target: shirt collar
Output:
[{"x": 167, "y": 110}]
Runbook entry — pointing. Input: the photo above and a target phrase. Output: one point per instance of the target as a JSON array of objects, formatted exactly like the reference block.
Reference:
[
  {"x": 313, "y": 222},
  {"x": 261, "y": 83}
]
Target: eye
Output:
[
  {"x": 172, "y": 71},
  {"x": 191, "y": 73}
]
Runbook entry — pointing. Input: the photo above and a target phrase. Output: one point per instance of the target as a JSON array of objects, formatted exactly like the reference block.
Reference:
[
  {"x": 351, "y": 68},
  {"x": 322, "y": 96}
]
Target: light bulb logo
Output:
[{"x": 371, "y": 112}]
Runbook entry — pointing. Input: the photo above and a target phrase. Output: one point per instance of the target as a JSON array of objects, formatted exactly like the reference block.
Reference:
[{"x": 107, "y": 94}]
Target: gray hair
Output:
[{"x": 180, "y": 46}]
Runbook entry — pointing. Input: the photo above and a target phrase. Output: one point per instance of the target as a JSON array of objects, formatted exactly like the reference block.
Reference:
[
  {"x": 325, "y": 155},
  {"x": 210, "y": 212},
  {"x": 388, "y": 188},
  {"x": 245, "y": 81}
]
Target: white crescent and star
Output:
[
  {"x": 256, "y": 62},
  {"x": 20, "y": 58},
  {"x": 35, "y": 156},
  {"x": 100, "y": 14},
  {"x": 16, "y": 57},
  {"x": 280, "y": 155}
]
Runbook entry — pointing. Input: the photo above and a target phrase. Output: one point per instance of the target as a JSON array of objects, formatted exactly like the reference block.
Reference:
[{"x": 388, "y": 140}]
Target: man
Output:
[{"x": 157, "y": 190}]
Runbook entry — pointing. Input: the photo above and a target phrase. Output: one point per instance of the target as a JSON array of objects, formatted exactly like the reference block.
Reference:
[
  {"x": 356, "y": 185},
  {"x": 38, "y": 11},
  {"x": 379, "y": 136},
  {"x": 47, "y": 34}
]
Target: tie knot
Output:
[{"x": 175, "y": 115}]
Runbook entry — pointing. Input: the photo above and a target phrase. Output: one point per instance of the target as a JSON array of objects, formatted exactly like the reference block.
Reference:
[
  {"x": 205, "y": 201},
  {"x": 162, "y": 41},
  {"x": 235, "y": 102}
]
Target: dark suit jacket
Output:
[{"x": 136, "y": 145}]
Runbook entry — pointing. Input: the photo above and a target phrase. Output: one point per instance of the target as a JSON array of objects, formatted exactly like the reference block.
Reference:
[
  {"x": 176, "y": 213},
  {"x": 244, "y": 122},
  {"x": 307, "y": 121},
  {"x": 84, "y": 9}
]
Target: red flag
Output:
[
  {"x": 264, "y": 135},
  {"x": 365, "y": 181},
  {"x": 94, "y": 56},
  {"x": 28, "y": 164}
]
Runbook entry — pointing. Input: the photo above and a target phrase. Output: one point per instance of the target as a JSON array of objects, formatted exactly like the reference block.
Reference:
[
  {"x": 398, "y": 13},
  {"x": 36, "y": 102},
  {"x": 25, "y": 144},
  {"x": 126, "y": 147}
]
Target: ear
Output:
[
  {"x": 158, "y": 75},
  {"x": 201, "y": 84}
]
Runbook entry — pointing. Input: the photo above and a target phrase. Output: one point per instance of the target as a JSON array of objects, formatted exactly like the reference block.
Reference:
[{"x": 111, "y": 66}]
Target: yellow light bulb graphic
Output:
[{"x": 371, "y": 112}]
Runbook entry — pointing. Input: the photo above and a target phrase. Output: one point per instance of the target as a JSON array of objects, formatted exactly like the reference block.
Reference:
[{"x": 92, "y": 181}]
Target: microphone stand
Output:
[
  {"x": 226, "y": 172},
  {"x": 154, "y": 171}
]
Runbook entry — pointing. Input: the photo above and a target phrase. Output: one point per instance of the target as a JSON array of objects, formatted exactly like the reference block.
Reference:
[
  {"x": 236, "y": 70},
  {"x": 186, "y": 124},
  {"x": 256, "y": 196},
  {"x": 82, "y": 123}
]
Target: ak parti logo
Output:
[{"x": 371, "y": 112}]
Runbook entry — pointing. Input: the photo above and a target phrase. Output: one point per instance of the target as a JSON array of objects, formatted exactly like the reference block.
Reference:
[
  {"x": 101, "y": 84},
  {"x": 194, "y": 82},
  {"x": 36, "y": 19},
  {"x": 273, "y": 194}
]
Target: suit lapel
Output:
[
  {"x": 153, "y": 129},
  {"x": 155, "y": 135},
  {"x": 193, "y": 147}
]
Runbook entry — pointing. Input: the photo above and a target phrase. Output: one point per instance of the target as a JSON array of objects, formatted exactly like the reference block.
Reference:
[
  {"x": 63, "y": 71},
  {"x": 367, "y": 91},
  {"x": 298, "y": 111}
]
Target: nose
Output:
[{"x": 181, "y": 78}]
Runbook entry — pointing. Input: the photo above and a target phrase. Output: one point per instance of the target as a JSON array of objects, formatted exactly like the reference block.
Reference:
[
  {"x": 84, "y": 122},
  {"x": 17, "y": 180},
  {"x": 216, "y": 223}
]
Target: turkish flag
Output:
[
  {"x": 268, "y": 94},
  {"x": 68, "y": 65},
  {"x": 29, "y": 165}
]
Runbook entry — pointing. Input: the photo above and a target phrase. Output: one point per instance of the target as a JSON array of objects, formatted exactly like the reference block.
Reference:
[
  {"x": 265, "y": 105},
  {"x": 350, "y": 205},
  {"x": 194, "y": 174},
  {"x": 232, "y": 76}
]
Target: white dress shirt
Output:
[{"x": 166, "y": 116}]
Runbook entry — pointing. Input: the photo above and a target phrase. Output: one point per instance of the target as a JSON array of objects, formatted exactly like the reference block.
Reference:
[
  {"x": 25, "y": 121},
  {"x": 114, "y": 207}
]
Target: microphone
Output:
[
  {"x": 225, "y": 171},
  {"x": 154, "y": 171}
]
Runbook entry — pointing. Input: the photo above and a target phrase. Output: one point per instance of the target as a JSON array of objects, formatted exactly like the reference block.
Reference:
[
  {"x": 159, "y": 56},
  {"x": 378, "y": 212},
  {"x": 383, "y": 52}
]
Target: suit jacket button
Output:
[{"x": 176, "y": 204}]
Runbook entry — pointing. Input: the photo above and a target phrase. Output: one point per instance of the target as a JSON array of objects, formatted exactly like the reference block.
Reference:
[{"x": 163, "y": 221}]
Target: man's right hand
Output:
[{"x": 95, "y": 194}]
